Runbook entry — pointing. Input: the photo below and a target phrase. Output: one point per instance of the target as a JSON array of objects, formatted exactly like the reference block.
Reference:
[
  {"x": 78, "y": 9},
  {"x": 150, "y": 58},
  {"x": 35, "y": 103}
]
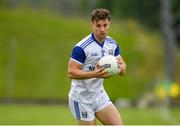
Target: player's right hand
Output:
[{"x": 101, "y": 72}]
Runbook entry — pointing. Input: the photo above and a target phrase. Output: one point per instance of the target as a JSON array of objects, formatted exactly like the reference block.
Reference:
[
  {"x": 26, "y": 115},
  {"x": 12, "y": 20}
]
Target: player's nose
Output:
[{"x": 101, "y": 28}]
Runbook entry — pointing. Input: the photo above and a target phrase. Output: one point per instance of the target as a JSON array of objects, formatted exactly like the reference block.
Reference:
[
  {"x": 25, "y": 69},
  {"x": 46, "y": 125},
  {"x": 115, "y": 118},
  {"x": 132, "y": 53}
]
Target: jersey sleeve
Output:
[
  {"x": 78, "y": 55},
  {"x": 117, "y": 51}
]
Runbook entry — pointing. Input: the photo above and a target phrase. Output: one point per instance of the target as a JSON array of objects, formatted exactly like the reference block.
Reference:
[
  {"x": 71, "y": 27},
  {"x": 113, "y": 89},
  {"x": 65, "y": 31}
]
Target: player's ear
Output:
[
  {"x": 92, "y": 23},
  {"x": 109, "y": 23}
]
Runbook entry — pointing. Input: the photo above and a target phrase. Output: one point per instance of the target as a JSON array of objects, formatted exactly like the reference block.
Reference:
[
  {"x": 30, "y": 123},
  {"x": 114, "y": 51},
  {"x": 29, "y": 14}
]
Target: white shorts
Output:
[{"x": 86, "y": 111}]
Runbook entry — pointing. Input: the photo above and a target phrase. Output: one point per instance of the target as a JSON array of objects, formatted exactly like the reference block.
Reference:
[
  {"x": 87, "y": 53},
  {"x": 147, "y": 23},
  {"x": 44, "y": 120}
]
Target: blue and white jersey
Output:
[{"x": 88, "y": 53}]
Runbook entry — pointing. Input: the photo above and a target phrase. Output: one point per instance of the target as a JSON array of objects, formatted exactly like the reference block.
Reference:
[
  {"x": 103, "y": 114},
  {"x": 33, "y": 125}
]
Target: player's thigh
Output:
[{"x": 109, "y": 115}]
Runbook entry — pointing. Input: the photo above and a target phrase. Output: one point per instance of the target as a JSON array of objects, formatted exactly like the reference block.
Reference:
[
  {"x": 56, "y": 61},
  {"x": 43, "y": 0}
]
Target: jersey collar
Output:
[{"x": 100, "y": 44}]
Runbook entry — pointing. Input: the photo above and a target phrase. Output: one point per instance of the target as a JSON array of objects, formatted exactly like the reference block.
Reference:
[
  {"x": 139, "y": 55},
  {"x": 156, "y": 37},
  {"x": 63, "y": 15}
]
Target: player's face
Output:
[{"x": 100, "y": 28}]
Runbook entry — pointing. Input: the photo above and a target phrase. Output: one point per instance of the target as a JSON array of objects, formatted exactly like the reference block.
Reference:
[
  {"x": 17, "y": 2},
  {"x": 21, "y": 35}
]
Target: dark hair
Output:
[{"x": 100, "y": 14}]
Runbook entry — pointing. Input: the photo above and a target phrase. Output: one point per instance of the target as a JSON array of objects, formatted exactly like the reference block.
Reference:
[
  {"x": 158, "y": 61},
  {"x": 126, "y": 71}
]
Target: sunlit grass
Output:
[{"x": 34, "y": 114}]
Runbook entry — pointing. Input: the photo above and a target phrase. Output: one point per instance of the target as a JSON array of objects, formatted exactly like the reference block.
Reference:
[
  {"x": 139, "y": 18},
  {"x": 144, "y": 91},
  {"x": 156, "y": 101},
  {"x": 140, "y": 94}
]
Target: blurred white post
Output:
[
  {"x": 11, "y": 69},
  {"x": 168, "y": 38},
  {"x": 169, "y": 48}
]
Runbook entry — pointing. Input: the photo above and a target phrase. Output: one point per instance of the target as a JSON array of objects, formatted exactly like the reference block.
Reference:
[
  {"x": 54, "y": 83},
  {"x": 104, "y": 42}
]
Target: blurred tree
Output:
[
  {"x": 146, "y": 11},
  {"x": 4, "y": 3},
  {"x": 66, "y": 7},
  {"x": 86, "y": 6},
  {"x": 105, "y": 4},
  {"x": 176, "y": 25}
]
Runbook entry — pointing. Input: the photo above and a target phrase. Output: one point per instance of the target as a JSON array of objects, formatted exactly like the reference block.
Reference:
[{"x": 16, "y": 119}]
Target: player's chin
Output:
[{"x": 102, "y": 35}]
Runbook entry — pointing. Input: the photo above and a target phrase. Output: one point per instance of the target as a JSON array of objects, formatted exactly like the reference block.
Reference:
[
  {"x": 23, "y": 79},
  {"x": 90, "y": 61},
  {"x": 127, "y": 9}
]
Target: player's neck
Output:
[{"x": 99, "y": 40}]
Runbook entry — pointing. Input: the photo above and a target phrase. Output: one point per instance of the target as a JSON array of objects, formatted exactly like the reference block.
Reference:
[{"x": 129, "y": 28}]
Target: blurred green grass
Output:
[{"x": 33, "y": 114}]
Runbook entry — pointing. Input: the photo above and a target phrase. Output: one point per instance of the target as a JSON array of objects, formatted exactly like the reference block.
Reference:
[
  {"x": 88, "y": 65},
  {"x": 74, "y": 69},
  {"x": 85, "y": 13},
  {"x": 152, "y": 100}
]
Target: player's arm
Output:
[
  {"x": 75, "y": 72},
  {"x": 76, "y": 63},
  {"x": 122, "y": 65},
  {"x": 121, "y": 62}
]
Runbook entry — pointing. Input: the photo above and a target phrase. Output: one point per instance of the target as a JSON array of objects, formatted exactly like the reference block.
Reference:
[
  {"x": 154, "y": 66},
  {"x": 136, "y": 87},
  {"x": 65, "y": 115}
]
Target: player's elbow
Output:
[
  {"x": 123, "y": 70},
  {"x": 70, "y": 74},
  {"x": 122, "y": 73}
]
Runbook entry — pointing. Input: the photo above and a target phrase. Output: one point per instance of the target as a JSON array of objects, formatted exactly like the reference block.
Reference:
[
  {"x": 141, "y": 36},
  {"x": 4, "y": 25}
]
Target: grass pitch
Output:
[{"x": 33, "y": 114}]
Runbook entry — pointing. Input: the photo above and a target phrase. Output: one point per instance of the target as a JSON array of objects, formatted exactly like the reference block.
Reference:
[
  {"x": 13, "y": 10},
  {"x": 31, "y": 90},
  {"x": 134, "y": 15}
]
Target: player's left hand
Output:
[{"x": 122, "y": 66}]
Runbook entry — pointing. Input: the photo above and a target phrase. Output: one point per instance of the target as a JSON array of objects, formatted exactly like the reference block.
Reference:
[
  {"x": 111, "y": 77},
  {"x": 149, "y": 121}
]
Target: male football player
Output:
[{"x": 88, "y": 99}]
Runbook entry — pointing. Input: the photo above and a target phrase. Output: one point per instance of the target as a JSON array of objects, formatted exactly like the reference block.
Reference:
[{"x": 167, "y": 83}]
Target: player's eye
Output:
[
  {"x": 105, "y": 25},
  {"x": 98, "y": 25}
]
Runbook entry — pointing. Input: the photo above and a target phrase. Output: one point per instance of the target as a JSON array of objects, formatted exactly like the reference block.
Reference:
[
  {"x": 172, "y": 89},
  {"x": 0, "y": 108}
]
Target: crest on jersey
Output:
[
  {"x": 84, "y": 114},
  {"x": 110, "y": 52}
]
